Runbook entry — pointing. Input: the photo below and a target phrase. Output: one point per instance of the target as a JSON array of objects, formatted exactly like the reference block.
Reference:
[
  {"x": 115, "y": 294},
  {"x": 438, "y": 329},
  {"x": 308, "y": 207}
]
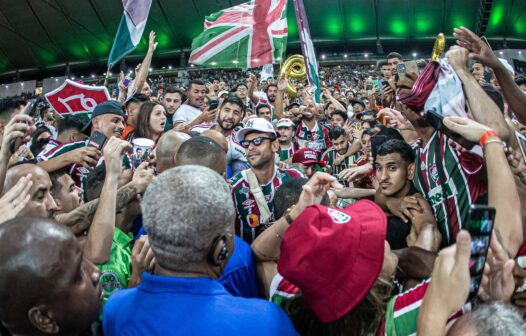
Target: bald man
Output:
[
  {"x": 41, "y": 203},
  {"x": 46, "y": 286},
  {"x": 167, "y": 148},
  {"x": 202, "y": 151},
  {"x": 217, "y": 137}
]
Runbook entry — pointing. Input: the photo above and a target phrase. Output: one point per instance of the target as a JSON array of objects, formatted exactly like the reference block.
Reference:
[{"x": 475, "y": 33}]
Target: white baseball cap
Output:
[
  {"x": 285, "y": 122},
  {"x": 222, "y": 93},
  {"x": 255, "y": 125}
]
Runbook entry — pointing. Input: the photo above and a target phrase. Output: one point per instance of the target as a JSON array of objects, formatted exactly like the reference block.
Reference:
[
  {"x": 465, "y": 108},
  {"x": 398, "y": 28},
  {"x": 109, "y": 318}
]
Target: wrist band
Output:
[
  {"x": 486, "y": 136},
  {"x": 494, "y": 141}
]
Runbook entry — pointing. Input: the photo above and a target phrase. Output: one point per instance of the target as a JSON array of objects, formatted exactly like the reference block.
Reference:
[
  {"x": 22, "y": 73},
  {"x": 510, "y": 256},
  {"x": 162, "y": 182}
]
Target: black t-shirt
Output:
[{"x": 397, "y": 230}]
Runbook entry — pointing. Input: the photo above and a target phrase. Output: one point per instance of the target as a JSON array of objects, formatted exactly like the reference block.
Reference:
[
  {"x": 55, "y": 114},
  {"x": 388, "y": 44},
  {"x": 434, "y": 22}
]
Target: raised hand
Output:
[
  {"x": 467, "y": 128},
  {"x": 15, "y": 199},
  {"x": 152, "y": 45},
  {"x": 479, "y": 50},
  {"x": 16, "y": 132},
  {"x": 114, "y": 153}
]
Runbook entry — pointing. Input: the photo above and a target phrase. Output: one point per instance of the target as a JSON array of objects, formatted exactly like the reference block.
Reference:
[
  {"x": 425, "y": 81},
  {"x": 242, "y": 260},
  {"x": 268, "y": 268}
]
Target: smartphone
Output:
[
  {"x": 213, "y": 104},
  {"x": 97, "y": 140},
  {"x": 480, "y": 226},
  {"x": 434, "y": 119}
]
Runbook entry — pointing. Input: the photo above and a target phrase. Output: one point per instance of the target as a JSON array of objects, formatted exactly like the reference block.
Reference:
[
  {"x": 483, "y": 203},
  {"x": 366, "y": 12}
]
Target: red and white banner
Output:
[{"x": 74, "y": 98}]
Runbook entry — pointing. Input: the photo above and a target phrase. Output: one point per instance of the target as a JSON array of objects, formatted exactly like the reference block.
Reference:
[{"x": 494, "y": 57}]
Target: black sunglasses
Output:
[{"x": 256, "y": 141}]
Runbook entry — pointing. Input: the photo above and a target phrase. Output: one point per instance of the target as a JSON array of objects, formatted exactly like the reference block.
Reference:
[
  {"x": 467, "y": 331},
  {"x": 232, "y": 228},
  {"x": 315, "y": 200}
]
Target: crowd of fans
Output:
[{"x": 262, "y": 212}]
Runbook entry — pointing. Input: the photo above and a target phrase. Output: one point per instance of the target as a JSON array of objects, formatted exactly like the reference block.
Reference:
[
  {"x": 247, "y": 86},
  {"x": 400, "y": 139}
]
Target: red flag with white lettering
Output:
[{"x": 74, "y": 98}]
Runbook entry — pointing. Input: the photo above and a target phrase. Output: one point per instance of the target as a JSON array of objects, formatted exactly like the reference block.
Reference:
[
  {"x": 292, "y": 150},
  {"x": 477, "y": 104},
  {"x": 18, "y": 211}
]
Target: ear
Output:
[
  {"x": 275, "y": 146},
  {"x": 411, "y": 171},
  {"x": 42, "y": 319}
]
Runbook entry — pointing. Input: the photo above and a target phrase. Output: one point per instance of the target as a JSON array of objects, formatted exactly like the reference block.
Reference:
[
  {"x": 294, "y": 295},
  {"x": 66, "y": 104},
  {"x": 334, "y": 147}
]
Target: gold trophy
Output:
[{"x": 438, "y": 48}]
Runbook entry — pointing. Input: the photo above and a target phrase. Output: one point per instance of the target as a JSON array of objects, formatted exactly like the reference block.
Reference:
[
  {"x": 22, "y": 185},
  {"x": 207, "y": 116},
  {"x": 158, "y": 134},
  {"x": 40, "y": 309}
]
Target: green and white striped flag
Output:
[{"x": 130, "y": 29}]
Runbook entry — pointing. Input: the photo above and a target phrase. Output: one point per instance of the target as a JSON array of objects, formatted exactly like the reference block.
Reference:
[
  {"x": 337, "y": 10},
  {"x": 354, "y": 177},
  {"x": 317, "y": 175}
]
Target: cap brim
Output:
[{"x": 240, "y": 136}]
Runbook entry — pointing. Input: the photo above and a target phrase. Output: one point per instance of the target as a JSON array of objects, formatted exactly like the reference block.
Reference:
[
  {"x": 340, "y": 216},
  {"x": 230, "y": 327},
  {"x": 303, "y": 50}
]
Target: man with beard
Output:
[
  {"x": 253, "y": 189},
  {"x": 231, "y": 113},
  {"x": 287, "y": 147},
  {"x": 172, "y": 100},
  {"x": 191, "y": 109},
  {"x": 338, "y": 157},
  {"x": 309, "y": 133},
  {"x": 267, "y": 97},
  {"x": 57, "y": 289},
  {"x": 264, "y": 111}
]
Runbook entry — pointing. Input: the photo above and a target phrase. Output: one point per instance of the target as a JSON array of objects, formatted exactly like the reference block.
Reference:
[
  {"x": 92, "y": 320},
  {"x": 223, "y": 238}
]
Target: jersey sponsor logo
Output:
[
  {"x": 253, "y": 220},
  {"x": 339, "y": 217},
  {"x": 110, "y": 280},
  {"x": 244, "y": 191},
  {"x": 248, "y": 204}
]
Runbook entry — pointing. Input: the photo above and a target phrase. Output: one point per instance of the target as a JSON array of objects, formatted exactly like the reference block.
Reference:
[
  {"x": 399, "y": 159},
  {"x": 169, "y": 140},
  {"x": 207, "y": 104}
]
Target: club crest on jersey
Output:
[
  {"x": 434, "y": 173},
  {"x": 339, "y": 217},
  {"x": 244, "y": 191}
]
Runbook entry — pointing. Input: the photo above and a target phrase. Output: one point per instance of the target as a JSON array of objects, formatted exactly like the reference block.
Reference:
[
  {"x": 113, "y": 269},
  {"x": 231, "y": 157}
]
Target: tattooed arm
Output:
[{"x": 79, "y": 220}]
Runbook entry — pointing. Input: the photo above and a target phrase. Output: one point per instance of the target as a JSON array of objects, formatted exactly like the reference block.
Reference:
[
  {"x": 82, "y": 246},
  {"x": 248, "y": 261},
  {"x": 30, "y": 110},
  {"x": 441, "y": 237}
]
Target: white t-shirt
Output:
[{"x": 186, "y": 113}]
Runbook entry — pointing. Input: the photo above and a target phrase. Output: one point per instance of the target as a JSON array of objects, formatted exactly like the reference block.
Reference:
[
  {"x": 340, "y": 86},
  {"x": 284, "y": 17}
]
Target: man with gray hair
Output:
[{"x": 189, "y": 215}]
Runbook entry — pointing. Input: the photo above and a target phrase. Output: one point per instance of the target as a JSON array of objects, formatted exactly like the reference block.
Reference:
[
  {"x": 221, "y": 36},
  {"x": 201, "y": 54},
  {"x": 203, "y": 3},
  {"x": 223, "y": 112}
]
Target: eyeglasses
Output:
[{"x": 256, "y": 141}]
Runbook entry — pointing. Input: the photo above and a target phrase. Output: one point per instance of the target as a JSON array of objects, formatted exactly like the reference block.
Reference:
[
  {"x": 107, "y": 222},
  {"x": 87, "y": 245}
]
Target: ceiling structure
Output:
[{"x": 39, "y": 37}]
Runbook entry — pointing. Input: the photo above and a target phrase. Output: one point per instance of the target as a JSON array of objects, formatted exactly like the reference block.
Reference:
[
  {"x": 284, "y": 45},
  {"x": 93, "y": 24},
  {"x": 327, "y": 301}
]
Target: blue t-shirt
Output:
[
  {"x": 239, "y": 276},
  {"x": 163, "y": 305}
]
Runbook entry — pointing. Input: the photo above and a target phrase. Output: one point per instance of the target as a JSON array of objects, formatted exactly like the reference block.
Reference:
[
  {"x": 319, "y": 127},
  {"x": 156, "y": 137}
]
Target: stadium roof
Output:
[{"x": 41, "y": 35}]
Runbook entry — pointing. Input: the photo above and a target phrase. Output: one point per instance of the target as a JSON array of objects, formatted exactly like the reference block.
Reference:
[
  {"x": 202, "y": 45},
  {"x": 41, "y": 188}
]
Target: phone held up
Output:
[
  {"x": 97, "y": 140},
  {"x": 480, "y": 226}
]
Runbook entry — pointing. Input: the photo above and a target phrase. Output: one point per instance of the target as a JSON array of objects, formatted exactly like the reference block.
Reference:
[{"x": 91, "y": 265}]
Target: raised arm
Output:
[
  {"x": 337, "y": 105},
  {"x": 142, "y": 74},
  {"x": 19, "y": 130},
  {"x": 251, "y": 83},
  {"x": 481, "y": 52},
  {"x": 100, "y": 235},
  {"x": 508, "y": 222},
  {"x": 80, "y": 219},
  {"x": 484, "y": 110},
  {"x": 278, "y": 104}
]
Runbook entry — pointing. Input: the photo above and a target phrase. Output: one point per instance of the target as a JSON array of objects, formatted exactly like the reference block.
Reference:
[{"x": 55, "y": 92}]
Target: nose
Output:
[
  {"x": 94, "y": 273},
  {"x": 383, "y": 175},
  {"x": 51, "y": 204}
]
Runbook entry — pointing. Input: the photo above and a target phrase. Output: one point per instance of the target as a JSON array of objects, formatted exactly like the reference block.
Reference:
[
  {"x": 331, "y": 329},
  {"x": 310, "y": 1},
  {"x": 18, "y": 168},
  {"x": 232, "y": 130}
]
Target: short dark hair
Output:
[
  {"x": 38, "y": 145},
  {"x": 272, "y": 84},
  {"x": 240, "y": 84},
  {"x": 201, "y": 151},
  {"x": 341, "y": 114},
  {"x": 336, "y": 132},
  {"x": 397, "y": 146},
  {"x": 70, "y": 122},
  {"x": 9, "y": 105},
  {"x": 520, "y": 80},
  {"x": 95, "y": 182},
  {"x": 260, "y": 106},
  {"x": 234, "y": 100},
  {"x": 172, "y": 89},
  {"x": 54, "y": 176},
  {"x": 394, "y": 55},
  {"x": 382, "y": 63},
  {"x": 136, "y": 98},
  {"x": 288, "y": 194},
  {"x": 195, "y": 82}
]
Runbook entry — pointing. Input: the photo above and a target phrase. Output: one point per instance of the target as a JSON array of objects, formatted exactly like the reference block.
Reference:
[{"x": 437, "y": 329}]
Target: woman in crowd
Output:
[{"x": 150, "y": 122}]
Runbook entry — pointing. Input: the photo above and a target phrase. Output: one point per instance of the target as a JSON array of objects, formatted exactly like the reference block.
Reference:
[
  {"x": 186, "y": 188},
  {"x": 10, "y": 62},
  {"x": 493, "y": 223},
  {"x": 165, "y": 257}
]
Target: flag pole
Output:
[{"x": 107, "y": 75}]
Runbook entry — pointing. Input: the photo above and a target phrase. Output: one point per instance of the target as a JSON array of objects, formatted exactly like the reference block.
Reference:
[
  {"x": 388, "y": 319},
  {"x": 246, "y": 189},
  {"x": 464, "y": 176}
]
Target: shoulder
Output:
[
  {"x": 237, "y": 180},
  {"x": 326, "y": 155},
  {"x": 291, "y": 173},
  {"x": 117, "y": 302},
  {"x": 66, "y": 147}
]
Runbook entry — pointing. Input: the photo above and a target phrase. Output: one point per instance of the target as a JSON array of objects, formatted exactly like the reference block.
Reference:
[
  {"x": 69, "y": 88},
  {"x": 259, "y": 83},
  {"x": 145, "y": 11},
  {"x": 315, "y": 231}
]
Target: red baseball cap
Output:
[
  {"x": 306, "y": 156},
  {"x": 334, "y": 256}
]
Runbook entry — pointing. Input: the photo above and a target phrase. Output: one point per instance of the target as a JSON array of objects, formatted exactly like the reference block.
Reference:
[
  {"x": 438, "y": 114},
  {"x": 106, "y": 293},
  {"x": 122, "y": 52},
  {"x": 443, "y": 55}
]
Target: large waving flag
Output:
[
  {"x": 248, "y": 35},
  {"x": 307, "y": 47},
  {"x": 130, "y": 29}
]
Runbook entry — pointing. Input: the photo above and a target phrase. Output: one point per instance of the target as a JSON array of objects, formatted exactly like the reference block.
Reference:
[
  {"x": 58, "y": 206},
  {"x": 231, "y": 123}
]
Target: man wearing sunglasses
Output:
[{"x": 253, "y": 188}]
